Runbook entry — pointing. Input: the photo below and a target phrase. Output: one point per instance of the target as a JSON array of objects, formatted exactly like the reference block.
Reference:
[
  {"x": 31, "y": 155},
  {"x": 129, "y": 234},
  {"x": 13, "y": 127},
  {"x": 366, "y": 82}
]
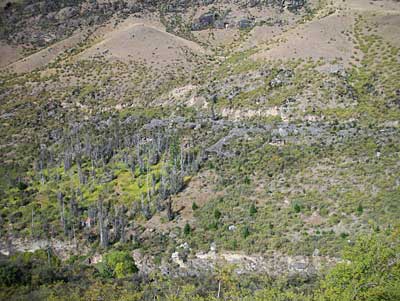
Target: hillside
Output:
[{"x": 199, "y": 150}]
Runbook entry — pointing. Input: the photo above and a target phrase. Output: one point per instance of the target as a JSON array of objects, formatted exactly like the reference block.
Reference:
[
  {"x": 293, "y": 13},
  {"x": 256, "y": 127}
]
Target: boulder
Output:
[
  {"x": 294, "y": 5},
  {"x": 67, "y": 13},
  {"x": 205, "y": 21},
  {"x": 253, "y": 3},
  {"x": 282, "y": 78},
  {"x": 245, "y": 23}
]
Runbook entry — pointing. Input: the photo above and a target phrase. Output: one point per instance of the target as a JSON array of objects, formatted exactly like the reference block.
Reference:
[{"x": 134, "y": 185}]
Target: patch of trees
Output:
[{"x": 95, "y": 152}]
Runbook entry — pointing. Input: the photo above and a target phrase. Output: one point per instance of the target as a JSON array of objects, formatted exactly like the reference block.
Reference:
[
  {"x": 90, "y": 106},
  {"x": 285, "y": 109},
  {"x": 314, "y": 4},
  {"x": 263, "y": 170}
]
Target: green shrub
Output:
[
  {"x": 217, "y": 214},
  {"x": 370, "y": 271},
  {"x": 245, "y": 232},
  {"x": 213, "y": 226},
  {"x": 296, "y": 208},
  {"x": 187, "y": 229},
  {"x": 117, "y": 264},
  {"x": 360, "y": 209},
  {"x": 29, "y": 268},
  {"x": 253, "y": 210},
  {"x": 22, "y": 186}
]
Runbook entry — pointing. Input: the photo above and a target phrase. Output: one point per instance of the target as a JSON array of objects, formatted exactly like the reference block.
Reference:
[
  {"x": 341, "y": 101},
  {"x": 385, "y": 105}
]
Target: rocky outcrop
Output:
[
  {"x": 67, "y": 13},
  {"x": 61, "y": 248},
  {"x": 282, "y": 78},
  {"x": 220, "y": 149},
  {"x": 205, "y": 21},
  {"x": 274, "y": 264},
  {"x": 34, "y": 23},
  {"x": 245, "y": 23}
]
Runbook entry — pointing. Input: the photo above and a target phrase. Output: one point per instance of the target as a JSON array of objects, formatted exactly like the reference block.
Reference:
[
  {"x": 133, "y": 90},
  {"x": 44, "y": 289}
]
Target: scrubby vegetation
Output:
[
  {"x": 369, "y": 271},
  {"x": 210, "y": 176}
]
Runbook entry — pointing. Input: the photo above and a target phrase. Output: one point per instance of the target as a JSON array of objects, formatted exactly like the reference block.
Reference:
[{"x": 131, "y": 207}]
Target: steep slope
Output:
[
  {"x": 227, "y": 149},
  {"x": 140, "y": 42},
  {"x": 43, "y": 57},
  {"x": 323, "y": 38},
  {"x": 9, "y": 54}
]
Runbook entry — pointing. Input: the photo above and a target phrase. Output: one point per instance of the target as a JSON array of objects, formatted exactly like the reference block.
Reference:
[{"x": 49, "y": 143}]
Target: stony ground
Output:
[{"x": 195, "y": 133}]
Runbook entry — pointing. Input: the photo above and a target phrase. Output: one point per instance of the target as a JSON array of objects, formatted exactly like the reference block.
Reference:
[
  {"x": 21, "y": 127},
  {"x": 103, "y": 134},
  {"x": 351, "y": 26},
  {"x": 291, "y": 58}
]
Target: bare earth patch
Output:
[
  {"x": 321, "y": 38},
  {"x": 140, "y": 42},
  {"x": 199, "y": 190}
]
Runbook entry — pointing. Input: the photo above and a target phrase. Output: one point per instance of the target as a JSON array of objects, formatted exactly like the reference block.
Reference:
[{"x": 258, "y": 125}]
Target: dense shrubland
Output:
[{"x": 369, "y": 271}]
